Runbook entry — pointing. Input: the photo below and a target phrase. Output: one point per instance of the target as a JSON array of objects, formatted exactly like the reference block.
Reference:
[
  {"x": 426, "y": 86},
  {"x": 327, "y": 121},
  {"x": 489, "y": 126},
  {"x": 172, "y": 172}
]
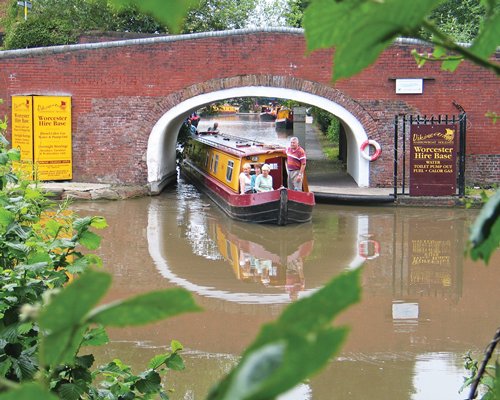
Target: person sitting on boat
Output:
[
  {"x": 257, "y": 170},
  {"x": 295, "y": 164},
  {"x": 215, "y": 128},
  {"x": 192, "y": 129},
  {"x": 264, "y": 182},
  {"x": 246, "y": 179}
]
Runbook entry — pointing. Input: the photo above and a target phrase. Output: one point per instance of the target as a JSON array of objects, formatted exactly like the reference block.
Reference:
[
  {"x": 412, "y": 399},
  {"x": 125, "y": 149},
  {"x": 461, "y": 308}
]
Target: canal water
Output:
[{"x": 424, "y": 305}]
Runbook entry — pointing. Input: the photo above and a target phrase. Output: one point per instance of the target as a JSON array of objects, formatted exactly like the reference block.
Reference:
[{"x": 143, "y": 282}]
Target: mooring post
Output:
[{"x": 299, "y": 125}]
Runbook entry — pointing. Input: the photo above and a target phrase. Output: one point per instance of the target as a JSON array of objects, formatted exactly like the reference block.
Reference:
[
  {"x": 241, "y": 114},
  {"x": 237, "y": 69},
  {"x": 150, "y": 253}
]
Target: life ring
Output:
[
  {"x": 375, "y": 155},
  {"x": 369, "y": 249}
]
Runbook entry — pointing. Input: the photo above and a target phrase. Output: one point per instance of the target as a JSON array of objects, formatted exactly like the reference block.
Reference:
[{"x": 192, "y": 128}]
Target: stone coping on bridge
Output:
[{"x": 164, "y": 39}]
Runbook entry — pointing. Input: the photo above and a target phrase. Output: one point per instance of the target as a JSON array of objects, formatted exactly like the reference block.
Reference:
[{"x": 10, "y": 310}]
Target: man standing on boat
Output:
[{"x": 295, "y": 164}]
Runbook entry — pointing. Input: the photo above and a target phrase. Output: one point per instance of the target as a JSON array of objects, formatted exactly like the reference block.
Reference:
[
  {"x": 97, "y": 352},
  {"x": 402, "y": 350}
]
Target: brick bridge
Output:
[{"x": 130, "y": 97}]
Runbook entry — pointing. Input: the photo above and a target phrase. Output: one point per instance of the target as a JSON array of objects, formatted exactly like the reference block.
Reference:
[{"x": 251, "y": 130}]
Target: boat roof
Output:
[{"x": 238, "y": 146}]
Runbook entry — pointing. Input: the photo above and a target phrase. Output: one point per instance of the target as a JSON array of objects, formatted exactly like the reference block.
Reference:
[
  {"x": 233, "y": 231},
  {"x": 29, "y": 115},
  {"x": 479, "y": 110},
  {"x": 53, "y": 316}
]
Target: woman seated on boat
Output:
[
  {"x": 264, "y": 182},
  {"x": 246, "y": 180},
  {"x": 256, "y": 168}
]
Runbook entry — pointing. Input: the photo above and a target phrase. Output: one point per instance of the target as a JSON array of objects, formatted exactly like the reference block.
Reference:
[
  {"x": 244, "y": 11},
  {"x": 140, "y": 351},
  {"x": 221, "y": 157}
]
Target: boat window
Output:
[
  {"x": 216, "y": 163},
  {"x": 212, "y": 163},
  {"x": 206, "y": 159},
  {"x": 229, "y": 171}
]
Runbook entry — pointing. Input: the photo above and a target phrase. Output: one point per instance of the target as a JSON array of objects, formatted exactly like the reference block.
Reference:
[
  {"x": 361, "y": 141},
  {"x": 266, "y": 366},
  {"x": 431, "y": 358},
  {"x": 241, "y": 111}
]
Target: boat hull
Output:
[
  {"x": 281, "y": 207},
  {"x": 267, "y": 116}
]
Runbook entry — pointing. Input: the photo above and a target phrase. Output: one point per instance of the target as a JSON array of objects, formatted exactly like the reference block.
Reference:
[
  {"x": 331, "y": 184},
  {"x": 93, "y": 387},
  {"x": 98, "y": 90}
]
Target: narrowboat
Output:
[
  {"x": 267, "y": 113},
  {"x": 227, "y": 109},
  {"x": 284, "y": 118},
  {"x": 213, "y": 164}
]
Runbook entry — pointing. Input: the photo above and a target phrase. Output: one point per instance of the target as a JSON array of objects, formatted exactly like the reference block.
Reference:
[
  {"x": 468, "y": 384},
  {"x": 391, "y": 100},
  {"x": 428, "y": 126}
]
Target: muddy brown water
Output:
[{"x": 424, "y": 305}]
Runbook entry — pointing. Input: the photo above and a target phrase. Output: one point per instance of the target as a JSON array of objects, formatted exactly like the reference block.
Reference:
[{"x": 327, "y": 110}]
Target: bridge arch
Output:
[{"x": 161, "y": 149}]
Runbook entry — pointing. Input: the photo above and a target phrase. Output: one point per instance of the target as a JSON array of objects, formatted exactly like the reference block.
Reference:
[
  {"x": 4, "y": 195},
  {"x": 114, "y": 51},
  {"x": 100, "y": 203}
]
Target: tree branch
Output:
[{"x": 480, "y": 372}]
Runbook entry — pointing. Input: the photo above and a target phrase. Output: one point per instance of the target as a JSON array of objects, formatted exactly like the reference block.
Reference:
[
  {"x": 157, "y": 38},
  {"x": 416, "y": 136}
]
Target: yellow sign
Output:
[
  {"x": 22, "y": 131},
  {"x": 52, "y": 137}
]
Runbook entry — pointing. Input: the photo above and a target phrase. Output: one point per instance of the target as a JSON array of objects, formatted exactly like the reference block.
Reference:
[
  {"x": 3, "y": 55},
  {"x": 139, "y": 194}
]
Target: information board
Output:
[
  {"x": 433, "y": 166},
  {"x": 22, "y": 132},
  {"x": 41, "y": 130}
]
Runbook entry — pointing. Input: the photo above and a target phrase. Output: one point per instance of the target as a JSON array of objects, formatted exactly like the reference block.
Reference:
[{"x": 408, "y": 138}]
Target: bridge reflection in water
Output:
[{"x": 418, "y": 314}]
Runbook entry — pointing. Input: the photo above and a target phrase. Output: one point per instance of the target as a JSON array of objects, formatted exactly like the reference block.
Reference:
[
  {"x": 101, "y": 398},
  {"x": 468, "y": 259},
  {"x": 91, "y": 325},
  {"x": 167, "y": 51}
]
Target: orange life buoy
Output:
[
  {"x": 369, "y": 249},
  {"x": 375, "y": 155}
]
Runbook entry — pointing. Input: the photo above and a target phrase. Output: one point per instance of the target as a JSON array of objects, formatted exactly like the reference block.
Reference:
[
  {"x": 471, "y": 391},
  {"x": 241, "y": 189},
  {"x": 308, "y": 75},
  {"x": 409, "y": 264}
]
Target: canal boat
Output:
[
  {"x": 213, "y": 163},
  {"x": 267, "y": 113},
  {"x": 227, "y": 109},
  {"x": 284, "y": 118}
]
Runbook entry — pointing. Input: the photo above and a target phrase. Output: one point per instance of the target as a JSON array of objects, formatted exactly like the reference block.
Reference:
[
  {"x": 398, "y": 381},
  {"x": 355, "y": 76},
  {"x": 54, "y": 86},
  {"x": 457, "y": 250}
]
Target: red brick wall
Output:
[{"x": 121, "y": 89}]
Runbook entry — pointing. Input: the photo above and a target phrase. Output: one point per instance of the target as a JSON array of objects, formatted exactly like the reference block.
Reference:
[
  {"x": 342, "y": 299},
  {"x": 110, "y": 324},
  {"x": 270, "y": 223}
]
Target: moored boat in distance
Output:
[
  {"x": 213, "y": 163},
  {"x": 284, "y": 118},
  {"x": 268, "y": 113},
  {"x": 227, "y": 109}
]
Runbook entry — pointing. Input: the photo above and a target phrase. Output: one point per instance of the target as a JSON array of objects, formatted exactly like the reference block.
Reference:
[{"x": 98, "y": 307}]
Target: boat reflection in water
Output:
[{"x": 266, "y": 259}]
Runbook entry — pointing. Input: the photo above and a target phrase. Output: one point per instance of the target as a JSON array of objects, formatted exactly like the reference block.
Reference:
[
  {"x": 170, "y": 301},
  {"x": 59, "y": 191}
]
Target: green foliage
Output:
[
  {"x": 360, "y": 30},
  {"x": 294, "y": 347},
  {"x": 485, "y": 232},
  {"x": 215, "y": 15},
  {"x": 49, "y": 23},
  {"x": 169, "y": 12}
]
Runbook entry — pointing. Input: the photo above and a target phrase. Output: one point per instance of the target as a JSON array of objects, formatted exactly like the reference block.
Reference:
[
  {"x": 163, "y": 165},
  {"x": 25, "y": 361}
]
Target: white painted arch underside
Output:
[{"x": 163, "y": 138}]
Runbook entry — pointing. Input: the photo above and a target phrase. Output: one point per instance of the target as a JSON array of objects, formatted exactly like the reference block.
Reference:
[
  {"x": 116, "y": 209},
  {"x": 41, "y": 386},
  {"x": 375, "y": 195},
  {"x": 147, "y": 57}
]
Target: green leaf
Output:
[
  {"x": 294, "y": 347},
  {"x": 175, "y": 346},
  {"x": 150, "y": 382},
  {"x": 85, "y": 361},
  {"x": 61, "y": 346},
  {"x": 146, "y": 308},
  {"x": 53, "y": 227},
  {"x": 170, "y": 12},
  {"x": 98, "y": 223},
  {"x": 6, "y": 218},
  {"x": 488, "y": 38},
  {"x": 28, "y": 391},
  {"x": 70, "y": 391},
  {"x": 485, "y": 232},
  {"x": 175, "y": 362},
  {"x": 360, "y": 30},
  {"x": 90, "y": 240},
  {"x": 95, "y": 337},
  {"x": 69, "y": 308},
  {"x": 158, "y": 360}
]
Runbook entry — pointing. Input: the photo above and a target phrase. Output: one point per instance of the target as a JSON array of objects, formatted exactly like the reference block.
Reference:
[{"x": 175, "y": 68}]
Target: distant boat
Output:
[
  {"x": 268, "y": 113},
  {"x": 213, "y": 163},
  {"x": 227, "y": 109},
  {"x": 284, "y": 118}
]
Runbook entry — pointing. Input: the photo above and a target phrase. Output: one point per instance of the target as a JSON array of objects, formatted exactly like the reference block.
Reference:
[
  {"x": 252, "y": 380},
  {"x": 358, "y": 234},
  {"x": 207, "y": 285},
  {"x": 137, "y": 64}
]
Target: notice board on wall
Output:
[
  {"x": 41, "y": 130},
  {"x": 433, "y": 160}
]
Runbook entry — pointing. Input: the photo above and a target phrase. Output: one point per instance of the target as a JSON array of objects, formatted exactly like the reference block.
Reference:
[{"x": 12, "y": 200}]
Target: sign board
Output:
[
  {"x": 41, "y": 130},
  {"x": 409, "y": 86},
  {"x": 433, "y": 166},
  {"x": 22, "y": 132},
  {"x": 52, "y": 137}
]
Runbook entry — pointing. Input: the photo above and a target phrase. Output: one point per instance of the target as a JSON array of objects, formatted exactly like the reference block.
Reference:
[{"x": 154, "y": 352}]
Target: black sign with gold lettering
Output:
[{"x": 433, "y": 167}]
